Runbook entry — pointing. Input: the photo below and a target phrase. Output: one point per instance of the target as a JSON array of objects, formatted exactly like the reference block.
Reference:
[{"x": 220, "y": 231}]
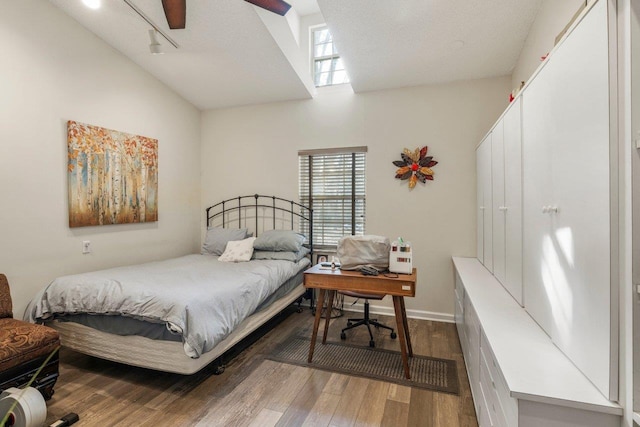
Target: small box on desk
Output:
[{"x": 400, "y": 261}]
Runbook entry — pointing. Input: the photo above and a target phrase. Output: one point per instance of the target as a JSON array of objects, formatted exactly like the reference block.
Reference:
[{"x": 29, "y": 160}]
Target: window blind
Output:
[{"x": 332, "y": 183}]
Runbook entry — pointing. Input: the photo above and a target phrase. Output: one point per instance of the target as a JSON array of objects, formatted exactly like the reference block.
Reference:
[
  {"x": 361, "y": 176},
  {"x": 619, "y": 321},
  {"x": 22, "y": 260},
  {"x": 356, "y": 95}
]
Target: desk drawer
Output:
[{"x": 339, "y": 280}]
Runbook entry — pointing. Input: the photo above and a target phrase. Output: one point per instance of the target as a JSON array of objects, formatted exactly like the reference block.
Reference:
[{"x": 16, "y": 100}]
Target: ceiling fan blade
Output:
[
  {"x": 176, "y": 13},
  {"x": 276, "y": 6}
]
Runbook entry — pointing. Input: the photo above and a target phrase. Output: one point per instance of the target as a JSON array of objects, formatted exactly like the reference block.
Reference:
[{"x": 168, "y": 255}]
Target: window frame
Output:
[
  {"x": 313, "y": 59},
  {"x": 356, "y": 198}
]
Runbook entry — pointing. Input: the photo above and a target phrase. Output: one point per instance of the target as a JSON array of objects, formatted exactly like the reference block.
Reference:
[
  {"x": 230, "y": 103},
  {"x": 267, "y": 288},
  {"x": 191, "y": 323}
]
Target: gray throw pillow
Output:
[
  {"x": 216, "y": 239},
  {"x": 279, "y": 241},
  {"x": 282, "y": 255}
]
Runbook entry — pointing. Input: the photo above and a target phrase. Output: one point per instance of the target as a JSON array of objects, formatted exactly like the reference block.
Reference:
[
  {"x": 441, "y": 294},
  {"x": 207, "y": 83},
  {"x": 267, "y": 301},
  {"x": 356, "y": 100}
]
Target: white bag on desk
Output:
[{"x": 356, "y": 251}]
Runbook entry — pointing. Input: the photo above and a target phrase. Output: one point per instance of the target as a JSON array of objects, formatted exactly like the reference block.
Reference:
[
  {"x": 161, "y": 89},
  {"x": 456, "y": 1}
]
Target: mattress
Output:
[
  {"x": 196, "y": 296},
  {"x": 124, "y": 325},
  {"x": 167, "y": 356}
]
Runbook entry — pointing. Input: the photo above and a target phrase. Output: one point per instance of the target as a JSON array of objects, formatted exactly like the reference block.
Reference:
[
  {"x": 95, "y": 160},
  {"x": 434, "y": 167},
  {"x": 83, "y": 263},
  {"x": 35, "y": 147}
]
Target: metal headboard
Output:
[{"x": 243, "y": 205}]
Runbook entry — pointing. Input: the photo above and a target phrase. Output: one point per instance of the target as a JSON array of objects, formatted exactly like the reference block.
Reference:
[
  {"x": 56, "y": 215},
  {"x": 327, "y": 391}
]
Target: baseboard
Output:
[
  {"x": 411, "y": 313},
  {"x": 389, "y": 311}
]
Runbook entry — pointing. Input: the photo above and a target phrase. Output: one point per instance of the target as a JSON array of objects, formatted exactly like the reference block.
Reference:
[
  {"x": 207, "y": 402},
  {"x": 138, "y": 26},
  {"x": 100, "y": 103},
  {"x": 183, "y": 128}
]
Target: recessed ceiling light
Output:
[{"x": 92, "y": 4}]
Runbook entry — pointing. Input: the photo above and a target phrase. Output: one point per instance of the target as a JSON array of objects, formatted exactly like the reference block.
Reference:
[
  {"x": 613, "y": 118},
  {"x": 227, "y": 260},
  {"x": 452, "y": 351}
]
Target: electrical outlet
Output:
[{"x": 86, "y": 247}]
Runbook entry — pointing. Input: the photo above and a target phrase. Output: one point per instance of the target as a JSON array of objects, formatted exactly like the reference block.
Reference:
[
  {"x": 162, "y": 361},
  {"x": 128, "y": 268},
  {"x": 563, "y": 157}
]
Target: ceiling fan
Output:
[{"x": 176, "y": 10}]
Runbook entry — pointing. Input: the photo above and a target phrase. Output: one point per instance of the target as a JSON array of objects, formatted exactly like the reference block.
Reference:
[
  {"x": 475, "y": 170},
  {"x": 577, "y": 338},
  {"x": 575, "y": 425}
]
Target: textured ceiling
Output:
[
  {"x": 226, "y": 57},
  {"x": 232, "y": 53},
  {"x": 388, "y": 44}
]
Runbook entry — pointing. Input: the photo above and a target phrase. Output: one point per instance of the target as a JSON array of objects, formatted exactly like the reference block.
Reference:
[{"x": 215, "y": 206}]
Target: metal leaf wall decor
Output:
[{"x": 415, "y": 166}]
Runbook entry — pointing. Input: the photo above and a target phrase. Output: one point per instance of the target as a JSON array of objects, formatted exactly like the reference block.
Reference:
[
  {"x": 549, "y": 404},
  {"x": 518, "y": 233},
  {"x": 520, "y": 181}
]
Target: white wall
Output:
[
  {"x": 254, "y": 149},
  {"x": 551, "y": 19},
  {"x": 54, "y": 70}
]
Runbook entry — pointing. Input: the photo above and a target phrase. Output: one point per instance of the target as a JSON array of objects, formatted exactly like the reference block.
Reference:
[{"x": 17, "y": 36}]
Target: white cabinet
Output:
[
  {"x": 566, "y": 218},
  {"x": 471, "y": 326},
  {"x": 518, "y": 377},
  {"x": 459, "y": 312},
  {"x": 506, "y": 175},
  {"x": 498, "y": 202},
  {"x": 484, "y": 208},
  {"x": 513, "y": 199}
]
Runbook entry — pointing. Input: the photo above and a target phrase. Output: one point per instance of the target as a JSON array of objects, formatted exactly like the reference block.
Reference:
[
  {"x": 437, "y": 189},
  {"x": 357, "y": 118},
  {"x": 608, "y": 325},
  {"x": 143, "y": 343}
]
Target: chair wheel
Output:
[
  {"x": 349, "y": 324},
  {"x": 393, "y": 335},
  {"x": 372, "y": 343},
  {"x": 343, "y": 336},
  {"x": 377, "y": 326}
]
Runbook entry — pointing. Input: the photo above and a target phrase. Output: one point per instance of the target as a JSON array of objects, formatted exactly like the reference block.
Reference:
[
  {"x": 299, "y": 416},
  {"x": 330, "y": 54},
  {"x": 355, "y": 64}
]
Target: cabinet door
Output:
[
  {"x": 479, "y": 206},
  {"x": 537, "y": 234},
  {"x": 485, "y": 220},
  {"x": 513, "y": 200},
  {"x": 581, "y": 187},
  {"x": 497, "y": 195},
  {"x": 566, "y": 167}
]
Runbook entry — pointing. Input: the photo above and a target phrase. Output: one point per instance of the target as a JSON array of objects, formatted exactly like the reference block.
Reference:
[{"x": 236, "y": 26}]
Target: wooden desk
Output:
[{"x": 333, "y": 280}]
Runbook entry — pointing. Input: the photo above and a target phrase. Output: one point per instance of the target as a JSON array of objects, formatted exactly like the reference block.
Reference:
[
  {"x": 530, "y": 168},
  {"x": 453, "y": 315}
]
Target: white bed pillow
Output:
[{"x": 238, "y": 250}]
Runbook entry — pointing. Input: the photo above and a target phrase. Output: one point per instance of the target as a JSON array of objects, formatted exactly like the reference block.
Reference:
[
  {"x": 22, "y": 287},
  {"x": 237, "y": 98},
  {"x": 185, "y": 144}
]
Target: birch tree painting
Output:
[{"x": 113, "y": 176}]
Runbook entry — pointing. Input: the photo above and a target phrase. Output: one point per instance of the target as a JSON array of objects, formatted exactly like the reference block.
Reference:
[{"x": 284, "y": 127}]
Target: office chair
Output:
[{"x": 366, "y": 320}]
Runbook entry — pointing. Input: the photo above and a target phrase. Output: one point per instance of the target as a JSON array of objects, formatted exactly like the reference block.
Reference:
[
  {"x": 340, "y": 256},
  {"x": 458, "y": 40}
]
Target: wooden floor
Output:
[{"x": 257, "y": 392}]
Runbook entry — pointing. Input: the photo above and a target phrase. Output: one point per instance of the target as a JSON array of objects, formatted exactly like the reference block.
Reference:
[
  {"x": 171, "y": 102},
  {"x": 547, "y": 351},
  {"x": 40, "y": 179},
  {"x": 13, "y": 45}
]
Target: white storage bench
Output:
[{"x": 518, "y": 376}]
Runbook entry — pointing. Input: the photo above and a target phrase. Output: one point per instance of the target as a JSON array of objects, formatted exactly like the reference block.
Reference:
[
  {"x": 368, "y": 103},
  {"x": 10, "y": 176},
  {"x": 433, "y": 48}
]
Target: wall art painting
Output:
[{"x": 113, "y": 176}]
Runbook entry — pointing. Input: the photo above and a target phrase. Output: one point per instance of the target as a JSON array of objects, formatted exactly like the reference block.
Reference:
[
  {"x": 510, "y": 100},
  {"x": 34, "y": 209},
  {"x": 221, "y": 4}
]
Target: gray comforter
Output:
[{"x": 194, "y": 295}]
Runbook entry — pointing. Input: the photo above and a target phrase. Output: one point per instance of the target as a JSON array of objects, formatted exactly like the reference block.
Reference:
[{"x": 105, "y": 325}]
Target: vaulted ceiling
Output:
[{"x": 233, "y": 53}]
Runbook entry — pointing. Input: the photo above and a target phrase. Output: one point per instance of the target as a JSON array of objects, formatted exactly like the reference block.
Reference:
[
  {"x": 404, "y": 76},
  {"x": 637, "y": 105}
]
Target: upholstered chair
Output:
[{"x": 24, "y": 347}]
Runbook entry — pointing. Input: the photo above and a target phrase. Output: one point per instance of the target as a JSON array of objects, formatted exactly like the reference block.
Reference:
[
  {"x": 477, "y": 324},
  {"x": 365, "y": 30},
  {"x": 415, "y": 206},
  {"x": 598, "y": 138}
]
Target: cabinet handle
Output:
[
  {"x": 553, "y": 209},
  {"x": 545, "y": 209},
  {"x": 502, "y": 208},
  {"x": 481, "y": 208}
]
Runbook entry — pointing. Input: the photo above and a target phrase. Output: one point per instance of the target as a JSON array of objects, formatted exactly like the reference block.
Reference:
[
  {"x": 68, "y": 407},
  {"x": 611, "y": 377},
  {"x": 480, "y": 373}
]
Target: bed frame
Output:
[
  {"x": 240, "y": 210},
  {"x": 169, "y": 356}
]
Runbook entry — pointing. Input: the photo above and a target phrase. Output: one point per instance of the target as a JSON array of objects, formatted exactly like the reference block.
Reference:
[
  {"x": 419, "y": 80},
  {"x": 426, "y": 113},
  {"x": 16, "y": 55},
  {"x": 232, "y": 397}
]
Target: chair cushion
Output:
[
  {"x": 22, "y": 341},
  {"x": 361, "y": 295},
  {"x": 5, "y": 298}
]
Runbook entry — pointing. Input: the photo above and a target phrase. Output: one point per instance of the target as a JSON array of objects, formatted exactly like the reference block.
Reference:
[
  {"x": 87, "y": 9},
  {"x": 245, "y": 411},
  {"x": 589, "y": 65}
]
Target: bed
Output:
[{"x": 181, "y": 314}]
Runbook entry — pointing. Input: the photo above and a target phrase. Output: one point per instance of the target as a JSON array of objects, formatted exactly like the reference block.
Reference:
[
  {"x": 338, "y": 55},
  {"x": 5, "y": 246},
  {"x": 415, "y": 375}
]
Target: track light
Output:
[
  {"x": 155, "y": 47},
  {"x": 154, "y": 41}
]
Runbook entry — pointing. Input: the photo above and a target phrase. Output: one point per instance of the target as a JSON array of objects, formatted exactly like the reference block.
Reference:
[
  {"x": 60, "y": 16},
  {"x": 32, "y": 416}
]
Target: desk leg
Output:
[
  {"x": 316, "y": 324},
  {"x": 397, "y": 305},
  {"x": 327, "y": 316},
  {"x": 406, "y": 327}
]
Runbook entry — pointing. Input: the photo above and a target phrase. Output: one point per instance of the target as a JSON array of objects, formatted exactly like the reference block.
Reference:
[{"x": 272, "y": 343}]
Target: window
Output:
[
  {"x": 332, "y": 183},
  {"x": 328, "y": 67}
]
